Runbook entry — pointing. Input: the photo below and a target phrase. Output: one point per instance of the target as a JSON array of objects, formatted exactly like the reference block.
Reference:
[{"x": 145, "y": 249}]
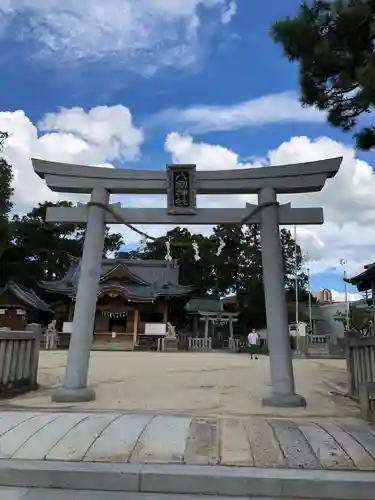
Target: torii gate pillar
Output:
[
  {"x": 282, "y": 378},
  {"x": 75, "y": 388}
]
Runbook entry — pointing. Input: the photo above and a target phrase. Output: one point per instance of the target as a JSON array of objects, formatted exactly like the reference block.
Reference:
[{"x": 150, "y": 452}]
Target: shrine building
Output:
[{"x": 132, "y": 294}]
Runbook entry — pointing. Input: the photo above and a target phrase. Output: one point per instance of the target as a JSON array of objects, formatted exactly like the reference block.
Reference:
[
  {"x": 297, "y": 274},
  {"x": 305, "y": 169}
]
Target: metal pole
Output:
[
  {"x": 343, "y": 264},
  {"x": 310, "y": 305},
  {"x": 296, "y": 287}
]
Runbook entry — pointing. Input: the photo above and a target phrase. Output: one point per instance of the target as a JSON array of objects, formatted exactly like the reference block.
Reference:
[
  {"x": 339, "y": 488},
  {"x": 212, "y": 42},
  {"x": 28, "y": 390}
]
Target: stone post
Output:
[
  {"x": 36, "y": 329},
  {"x": 74, "y": 388},
  {"x": 373, "y": 306},
  {"x": 282, "y": 379},
  {"x": 230, "y": 327},
  {"x": 206, "y": 327},
  {"x": 196, "y": 325}
]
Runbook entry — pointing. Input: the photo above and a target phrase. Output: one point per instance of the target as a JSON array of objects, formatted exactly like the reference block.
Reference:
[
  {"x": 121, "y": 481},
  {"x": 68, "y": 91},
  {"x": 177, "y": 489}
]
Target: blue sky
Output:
[{"x": 217, "y": 54}]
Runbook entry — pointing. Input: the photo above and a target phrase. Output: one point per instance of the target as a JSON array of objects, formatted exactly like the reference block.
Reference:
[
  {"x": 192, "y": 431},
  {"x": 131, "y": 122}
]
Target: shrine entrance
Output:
[
  {"x": 208, "y": 319},
  {"x": 182, "y": 183}
]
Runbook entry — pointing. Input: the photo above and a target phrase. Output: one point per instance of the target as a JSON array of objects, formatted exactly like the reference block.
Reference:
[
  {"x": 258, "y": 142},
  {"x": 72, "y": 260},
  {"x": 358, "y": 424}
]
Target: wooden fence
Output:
[{"x": 19, "y": 357}]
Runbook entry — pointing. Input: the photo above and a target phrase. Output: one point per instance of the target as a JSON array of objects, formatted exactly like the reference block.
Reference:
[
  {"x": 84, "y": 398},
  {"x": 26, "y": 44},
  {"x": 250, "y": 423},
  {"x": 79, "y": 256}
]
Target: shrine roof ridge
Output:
[
  {"x": 148, "y": 278},
  {"x": 363, "y": 281},
  {"x": 292, "y": 178},
  {"x": 27, "y": 296}
]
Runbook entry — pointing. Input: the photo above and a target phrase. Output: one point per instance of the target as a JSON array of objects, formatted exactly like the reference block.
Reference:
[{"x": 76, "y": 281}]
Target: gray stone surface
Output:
[
  {"x": 190, "y": 480},
  {"x": 74, "y": 445},
  {"x": 294, "y": 178},
  {"x": 72, "y": 395},
  {"x": 13, "y": 493},
  {"x": 75, "y": 382},
  {"x": 163, "y": 440},
  {"x": 12, "y": 440},
  {"x": 282, "y": 377},
  {"x": 117, "y": 438},
  {"x": 53, "y": 494}
]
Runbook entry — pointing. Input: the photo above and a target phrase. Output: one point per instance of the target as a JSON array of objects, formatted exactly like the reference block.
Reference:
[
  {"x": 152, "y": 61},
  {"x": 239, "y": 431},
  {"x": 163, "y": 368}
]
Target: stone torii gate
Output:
[{"x": 182, "y": 183}]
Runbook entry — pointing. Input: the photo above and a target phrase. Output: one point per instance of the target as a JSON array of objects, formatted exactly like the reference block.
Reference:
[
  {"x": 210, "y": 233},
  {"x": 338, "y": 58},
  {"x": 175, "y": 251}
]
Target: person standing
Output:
[{"x": 252, "y": 341}]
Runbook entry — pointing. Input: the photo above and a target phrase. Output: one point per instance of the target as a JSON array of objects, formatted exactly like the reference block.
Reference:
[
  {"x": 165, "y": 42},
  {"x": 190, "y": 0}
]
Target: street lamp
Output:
[{"x": 343, "y": 263}]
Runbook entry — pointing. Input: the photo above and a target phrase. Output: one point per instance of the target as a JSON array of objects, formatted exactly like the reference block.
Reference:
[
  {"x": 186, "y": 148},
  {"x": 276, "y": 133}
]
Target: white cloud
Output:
[
  {"x": 229, "y": 12},
  {"x": 95, "y": 137},
  {"x": 102, "y": 135},
  {"x": 348, "y": 201},
  {"x": 142, "y": 34},
  {"x": 272, "y": 108},
  {"x": 105, "y": 129},
  {"x": 340, "y": 296}
]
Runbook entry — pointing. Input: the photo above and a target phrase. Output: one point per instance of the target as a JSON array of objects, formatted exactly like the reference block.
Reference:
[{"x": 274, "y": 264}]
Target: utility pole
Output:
[
  {"x": 310, "y": 305},
  {"x": 296, "y": 287},
  {"x": 343, "y": 265}
]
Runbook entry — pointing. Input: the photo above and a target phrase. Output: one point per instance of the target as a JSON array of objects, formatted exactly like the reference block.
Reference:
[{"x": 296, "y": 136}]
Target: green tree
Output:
[
  {"x": 6, "y": 193},
  {"x": 251, "y": 296},
  {"x": 6, "y": 177},
  {"x": 41, "y": 251},
  {"x": 226, "y": 267},
  {"x": 333, "y": 42},
  {"x": 195, "y": 273},
  {"x": 293, "y": 263},
  {"x": 237, "y": 269},
  {"x": 250, "y": 292}
]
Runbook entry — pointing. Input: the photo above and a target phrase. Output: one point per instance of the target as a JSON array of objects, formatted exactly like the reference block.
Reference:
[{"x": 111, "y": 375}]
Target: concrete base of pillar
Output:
[
  {"x": 284, "y": 400},
  {"x": 69, "y": 395}
]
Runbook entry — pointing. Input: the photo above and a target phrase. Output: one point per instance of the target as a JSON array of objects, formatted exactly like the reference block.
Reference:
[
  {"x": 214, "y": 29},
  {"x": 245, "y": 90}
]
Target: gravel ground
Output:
[{"x": 214, "y": 383}]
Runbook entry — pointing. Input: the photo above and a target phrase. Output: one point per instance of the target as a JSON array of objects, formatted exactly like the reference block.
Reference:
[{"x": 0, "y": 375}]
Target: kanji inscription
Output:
[{"x": 181, "y": 189}]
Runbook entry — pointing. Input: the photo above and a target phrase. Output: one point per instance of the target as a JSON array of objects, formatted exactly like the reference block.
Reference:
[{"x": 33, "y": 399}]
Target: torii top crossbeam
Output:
[{"x": 294, "y": 178}]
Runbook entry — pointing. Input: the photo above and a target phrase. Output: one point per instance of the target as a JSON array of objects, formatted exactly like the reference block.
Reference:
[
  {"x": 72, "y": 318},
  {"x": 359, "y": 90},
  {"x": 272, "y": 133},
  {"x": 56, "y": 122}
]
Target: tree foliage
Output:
[
  {"x": 6, "y": 192},
  {"x": 237, "y": 270},
  {"x": 333, "y": 42},
  {"x": 6, "y": 177},
  {"x": 39, "y": 251}
]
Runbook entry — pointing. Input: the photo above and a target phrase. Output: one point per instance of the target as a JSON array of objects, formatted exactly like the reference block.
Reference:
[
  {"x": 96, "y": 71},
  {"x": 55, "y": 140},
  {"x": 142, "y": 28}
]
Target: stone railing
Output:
[
  {"x": 200, "y": 344},
  {"x": 317, "y": 339},
  {"x": 19, "y": 357},
  {"x": 50, "y": 340},
  {"x": 234, "y": 344},
  {"x": 361, "y": 370}
]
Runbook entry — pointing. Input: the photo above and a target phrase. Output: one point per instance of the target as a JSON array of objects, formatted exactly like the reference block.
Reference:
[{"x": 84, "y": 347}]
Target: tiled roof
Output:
[
  {"x": 205, "y": 304},
  {"x": 136, "y": 279},
  {"x": 27, "y": 296},
  {"x": 363, "y": 280}
]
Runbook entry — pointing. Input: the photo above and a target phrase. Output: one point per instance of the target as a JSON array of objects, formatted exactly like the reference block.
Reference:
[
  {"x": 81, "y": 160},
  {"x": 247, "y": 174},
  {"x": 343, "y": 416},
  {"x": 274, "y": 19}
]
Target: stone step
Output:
[
  {"x": 53, "y": 494},
  {"x": 109, "y": 346},
  {"x": 176, "y": 480}
]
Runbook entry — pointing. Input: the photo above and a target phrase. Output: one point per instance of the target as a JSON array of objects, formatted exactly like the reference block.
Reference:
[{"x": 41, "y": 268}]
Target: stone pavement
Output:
[
  {"x": 114, "y": 437},
  {"x": 251, "y": 456},
  {"x": 53, "y": 494}
]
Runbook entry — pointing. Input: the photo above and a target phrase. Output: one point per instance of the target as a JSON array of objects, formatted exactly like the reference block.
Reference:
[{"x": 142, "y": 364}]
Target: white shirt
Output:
[{"x": 252, "y": 338}]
